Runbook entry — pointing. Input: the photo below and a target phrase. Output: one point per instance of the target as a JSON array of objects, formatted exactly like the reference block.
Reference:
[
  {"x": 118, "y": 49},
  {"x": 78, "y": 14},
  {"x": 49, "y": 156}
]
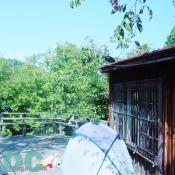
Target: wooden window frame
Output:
[{"x": 156, "y": 160}]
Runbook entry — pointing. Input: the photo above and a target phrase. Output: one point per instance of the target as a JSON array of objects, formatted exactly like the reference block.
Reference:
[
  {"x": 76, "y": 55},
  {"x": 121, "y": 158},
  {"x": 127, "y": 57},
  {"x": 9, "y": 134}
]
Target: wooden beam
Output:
[{"x": 110, "y": 103}]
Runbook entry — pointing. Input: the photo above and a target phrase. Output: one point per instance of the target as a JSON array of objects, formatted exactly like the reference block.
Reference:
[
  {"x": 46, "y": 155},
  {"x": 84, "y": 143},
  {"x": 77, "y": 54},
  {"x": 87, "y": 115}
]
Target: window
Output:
[{"x": 136, "y": 112}]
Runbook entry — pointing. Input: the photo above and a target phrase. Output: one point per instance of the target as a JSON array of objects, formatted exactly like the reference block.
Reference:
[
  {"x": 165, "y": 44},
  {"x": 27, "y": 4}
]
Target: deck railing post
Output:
[
  {"x": 45, "y": 129},
  {"x": 1, "y": 121},
  {"x": 25, "y": 121},
  {"x": 3, "y": 127},
  {"x": 54, "y": 128},
  {"x": 60, "y": 129},
  {"x": 24, "y": 129}
]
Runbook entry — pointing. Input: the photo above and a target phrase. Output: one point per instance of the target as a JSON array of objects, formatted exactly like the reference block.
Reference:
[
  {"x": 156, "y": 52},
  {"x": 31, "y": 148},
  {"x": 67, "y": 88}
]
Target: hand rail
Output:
[{"x": 45, "y": 122}]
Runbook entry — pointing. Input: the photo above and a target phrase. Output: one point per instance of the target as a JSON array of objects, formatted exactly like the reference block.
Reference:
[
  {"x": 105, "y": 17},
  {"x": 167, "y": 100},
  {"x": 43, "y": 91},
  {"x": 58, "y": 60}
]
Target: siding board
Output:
[
  {"x": 173, "y": 131},
  {"x": 166, "y": 73}
]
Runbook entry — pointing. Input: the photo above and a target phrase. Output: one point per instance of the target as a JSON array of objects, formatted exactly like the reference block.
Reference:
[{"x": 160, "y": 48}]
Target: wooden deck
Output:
[{"x": 44, "y": 145}]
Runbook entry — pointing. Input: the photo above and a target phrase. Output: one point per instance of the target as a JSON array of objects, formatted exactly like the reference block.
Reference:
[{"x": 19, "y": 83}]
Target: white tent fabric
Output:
[{"x": 96, "y": 149}]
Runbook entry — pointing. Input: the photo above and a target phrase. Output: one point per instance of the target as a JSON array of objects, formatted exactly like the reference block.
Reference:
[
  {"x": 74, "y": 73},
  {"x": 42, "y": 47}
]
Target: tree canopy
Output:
[
  {"x": 139, "y": 50},
  {"x": 171, "y": 38},
  {"x": 66, "y": 80}
]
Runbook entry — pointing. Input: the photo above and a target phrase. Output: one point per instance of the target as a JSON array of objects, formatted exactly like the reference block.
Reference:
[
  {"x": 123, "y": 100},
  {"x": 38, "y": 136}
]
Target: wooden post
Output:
[
  {"x": 54, "y": 128},
  {"x": 76, "y": 123},
  {"x": 1, "y": 121},
  {"x": 110, "y": 117},
  {"x": 23, "y": 126},
  {"x": 60, "y": 129},
  {"x": 24, "y": 130},
  {"x": 45, "y": 129},
  {"x": 3, "y": 127}
]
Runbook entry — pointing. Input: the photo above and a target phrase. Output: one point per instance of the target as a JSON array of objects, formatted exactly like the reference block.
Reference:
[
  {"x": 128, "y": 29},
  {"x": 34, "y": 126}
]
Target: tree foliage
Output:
[
  {"x": 139, "y": 50},
  {"x": 66, "y": 81},
  {"x": 132, "y": 13},
  {"x": 171, "y": 38}
]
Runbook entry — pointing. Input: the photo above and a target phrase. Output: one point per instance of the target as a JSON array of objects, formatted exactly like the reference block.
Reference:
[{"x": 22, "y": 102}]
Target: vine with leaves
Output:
[{"x": 132, "y": 13}]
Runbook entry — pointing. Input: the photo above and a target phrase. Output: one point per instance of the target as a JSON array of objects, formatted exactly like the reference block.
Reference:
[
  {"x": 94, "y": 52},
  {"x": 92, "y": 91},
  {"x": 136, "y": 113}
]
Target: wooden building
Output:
[{"x": 142, "y": 109}]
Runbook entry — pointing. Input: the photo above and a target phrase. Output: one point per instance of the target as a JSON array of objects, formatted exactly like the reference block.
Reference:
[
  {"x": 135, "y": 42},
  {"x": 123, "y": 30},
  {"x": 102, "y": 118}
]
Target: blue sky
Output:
[{"x": 33, "y": 26}]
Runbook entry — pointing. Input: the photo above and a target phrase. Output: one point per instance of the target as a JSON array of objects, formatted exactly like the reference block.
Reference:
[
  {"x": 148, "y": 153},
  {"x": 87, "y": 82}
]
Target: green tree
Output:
[
  {"x": 27, "y": 87},
  {"x": 144, "y": 48},
  {"x": 78, "y": 87},
  {"x": 171, "y": 38},
  {"x": 66, "y": 80},
  {"x": 7, "y": 68}
]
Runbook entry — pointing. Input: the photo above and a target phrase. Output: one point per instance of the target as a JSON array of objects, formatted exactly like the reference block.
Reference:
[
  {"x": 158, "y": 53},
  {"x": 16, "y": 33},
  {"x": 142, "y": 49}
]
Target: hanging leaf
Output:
[
  {"x": 141, "y": 10},
  {"x": 113, "y": 11},
  {"x": 138, "y": 19},
  {"x": 123, "y": 7},
  {"x": 122, "y": 33},
  {"x": 72, "y": 4},
  {"x": 137, "y": 43},
  {"x": 139, "y": 27},
  {"x": 150, "y": 14},
  {"x": 127, "y": 25},
  {"x": 75, "y": 3}
]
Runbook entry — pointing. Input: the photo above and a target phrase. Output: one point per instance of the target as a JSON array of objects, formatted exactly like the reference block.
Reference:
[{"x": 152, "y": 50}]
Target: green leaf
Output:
[
  {"x": 75, "y": 3},
  {"x": 124, "y": 7},
  {"x": 113, "y": 11},
  {"x": 127, "y": 25},
  {"x": 139, "y": 27},
  {"x": 150, "y": 14},
  {"x": 131, "y": 13},
  {"x": 122, "y": 33},
  {"x": 139, "y": 19},
  {"x": 141, "y": 10},
  {"x": 137, "y": 43},
  {"x": 72, "y": 4}
]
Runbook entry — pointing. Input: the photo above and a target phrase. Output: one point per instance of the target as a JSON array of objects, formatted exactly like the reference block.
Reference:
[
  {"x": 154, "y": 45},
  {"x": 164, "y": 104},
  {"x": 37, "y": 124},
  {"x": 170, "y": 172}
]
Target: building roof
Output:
[{"x": 154, "y": 57}]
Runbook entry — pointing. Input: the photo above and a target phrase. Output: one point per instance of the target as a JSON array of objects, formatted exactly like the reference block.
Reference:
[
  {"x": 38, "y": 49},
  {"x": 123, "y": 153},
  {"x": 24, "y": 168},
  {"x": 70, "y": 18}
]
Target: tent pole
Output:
[{"x": 118, "y": 136}]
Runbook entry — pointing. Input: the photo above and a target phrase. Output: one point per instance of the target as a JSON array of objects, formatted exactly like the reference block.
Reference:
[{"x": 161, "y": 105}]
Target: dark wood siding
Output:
[
  {"x": 169, "y": 125},
  {"x": 166, "y": 73},
  {"x": 110, "y": 104},
  {"x": 144, "y": 157}
]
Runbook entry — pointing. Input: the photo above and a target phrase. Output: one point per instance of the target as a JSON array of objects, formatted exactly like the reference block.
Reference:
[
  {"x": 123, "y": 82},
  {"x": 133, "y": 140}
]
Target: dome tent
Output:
[{"x": 96, "y": 149}]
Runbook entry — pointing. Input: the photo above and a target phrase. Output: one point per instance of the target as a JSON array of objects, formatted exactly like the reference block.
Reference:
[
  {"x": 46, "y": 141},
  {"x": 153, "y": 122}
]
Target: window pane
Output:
[
  {"x": 119, "y": 107},
  {"x": 135, "y": 113}
]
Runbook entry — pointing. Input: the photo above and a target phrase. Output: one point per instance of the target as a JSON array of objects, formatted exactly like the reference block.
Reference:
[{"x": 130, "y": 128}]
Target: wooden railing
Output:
[{"x": 36, "y": 124}]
